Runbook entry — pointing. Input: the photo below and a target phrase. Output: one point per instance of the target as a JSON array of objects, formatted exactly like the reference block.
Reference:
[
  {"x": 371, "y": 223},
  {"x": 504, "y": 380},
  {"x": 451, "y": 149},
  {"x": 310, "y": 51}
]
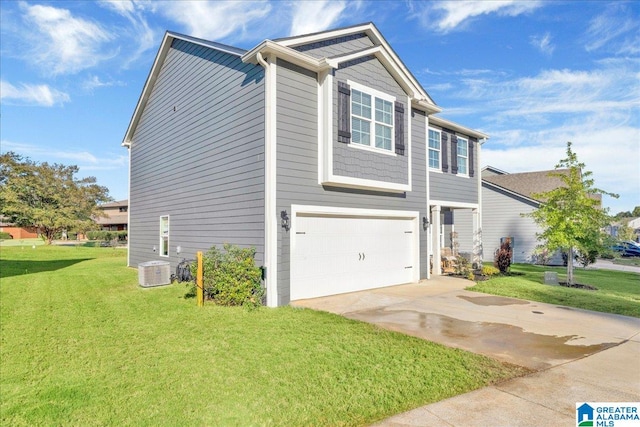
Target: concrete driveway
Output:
[{"x": 579, "y": 355}]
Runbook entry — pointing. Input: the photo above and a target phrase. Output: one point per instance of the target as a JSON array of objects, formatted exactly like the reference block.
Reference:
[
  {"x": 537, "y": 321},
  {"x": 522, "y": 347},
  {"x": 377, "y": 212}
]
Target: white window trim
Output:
[
  {"x": 439, "y": 168},
  {"x": 466, "y": 174},
  {"x": 162, "y": 235},
  {"x": 372, "y": 133}
]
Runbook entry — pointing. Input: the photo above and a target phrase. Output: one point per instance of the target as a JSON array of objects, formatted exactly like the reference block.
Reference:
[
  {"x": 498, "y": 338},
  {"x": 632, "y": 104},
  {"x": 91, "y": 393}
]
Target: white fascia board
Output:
[
  {"x": 335, "y": 61},
  {"x": 426, "y": 107},
  {"x": 269, "y": 47},
  {"x": 439, "y": 121},
  {"x": 148, "y": 86},
  {"x": 521, "y": 196},
  {"x": 450, "y": 204}
]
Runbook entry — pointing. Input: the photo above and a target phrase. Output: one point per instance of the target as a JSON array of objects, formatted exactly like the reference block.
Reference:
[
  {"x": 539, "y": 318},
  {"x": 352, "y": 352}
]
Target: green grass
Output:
[
  {"x": 82, "y": 344},
  {"x": 21, "y": 242},
  {"x": 618, "y": 292}
]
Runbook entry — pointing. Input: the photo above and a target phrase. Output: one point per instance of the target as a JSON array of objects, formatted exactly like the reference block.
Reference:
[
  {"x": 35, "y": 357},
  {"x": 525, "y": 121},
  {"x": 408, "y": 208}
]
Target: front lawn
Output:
[
  {"x": 82, "y": 344},
  {"x": 618, "y": 292}
]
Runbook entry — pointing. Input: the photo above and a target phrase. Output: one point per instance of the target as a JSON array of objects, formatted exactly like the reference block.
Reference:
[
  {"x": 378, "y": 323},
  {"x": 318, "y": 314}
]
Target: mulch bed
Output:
[{"x": 579, "y": 286}]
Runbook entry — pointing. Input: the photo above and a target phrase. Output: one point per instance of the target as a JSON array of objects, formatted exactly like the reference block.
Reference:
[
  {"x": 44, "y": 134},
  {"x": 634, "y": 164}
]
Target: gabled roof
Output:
[
  {"x": 117, "y": 204},
  {"x": 527, "y": 183}
]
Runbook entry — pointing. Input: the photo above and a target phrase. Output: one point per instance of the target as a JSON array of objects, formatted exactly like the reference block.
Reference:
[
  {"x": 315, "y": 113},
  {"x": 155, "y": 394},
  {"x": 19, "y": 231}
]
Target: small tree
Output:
[
  {"x": 626, "y": 233},
  {"x": 571, "y": 216},
  {"x": 503, "y": 256},
  {"x": 47, "y": 196}
]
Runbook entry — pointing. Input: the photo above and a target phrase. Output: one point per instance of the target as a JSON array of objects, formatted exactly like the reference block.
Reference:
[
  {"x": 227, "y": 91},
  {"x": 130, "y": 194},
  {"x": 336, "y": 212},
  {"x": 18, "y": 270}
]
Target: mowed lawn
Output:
[
  {"x": 617, "y": 292},
  {"x": 82, "y": 344}
]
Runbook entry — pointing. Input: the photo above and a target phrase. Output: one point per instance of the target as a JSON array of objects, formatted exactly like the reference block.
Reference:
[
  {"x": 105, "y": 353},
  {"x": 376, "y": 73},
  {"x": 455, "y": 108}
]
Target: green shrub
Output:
[
  {"x": 462, "y": 267},
  {"x": 5, "y": 236},
  {"x": 489, "y": 270},
  {"x": 231, "y": 277},
  {"x": 108, "y": 236}
]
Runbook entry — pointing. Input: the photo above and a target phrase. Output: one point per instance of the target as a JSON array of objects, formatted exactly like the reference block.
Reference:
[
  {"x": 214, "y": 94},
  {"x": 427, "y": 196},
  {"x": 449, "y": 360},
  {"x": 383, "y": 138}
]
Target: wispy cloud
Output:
[
  {"x": 61, "y": 43},
  {"x": 215, "y": 20},
  {"x": 543, "y": 43},
  {"x": 314, "y": 16},
  {"x": 139, "y": 31},
  {"x": 446, "y": 16},
  {"x": 95, "y": 82},
  {"x": 85, "y": 160},
  {"x": 615, "y": 30},
  {"x": 31, "y": 95}
]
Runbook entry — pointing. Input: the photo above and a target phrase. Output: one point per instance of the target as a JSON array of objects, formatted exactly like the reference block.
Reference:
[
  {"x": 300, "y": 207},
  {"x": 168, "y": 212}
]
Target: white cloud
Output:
[
  {"x": 313, "y": 16},
  {"x": 215, "y": 20},
  {"x": 31, "y": 95},
  {"x": 61, "y": 43},
  {"x": 94, "y": 82},
  {"x": 543, "y": 43},
  {"x": 616, "y": 30},
  {"x": 446, "y": 16},
  {"x": 139, "y": 32}
]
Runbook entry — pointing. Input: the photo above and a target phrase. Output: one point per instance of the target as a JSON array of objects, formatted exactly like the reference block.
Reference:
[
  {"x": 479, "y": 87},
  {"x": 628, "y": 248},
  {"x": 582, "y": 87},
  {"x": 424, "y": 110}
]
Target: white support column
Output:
[{"x": 435, "y": 239}]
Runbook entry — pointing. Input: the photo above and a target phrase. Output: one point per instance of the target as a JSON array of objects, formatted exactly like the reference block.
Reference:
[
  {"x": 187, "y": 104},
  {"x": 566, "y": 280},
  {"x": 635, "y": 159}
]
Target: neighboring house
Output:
[
  {"x": 320, "y": 151},
  {"x": 18, "y": 232},
  {"x": 116, "y": 216},
  {"x": 505, "y": 198}
]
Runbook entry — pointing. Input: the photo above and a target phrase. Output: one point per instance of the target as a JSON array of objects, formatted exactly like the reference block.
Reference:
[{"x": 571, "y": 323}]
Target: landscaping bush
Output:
[
  {"x": 463, "y": 267},
  {"x": 5, "y": 236},
  {"x": 108, "y": 236},
  {"x": 503, "y": 257},
  {"x": 231, "y": 277},
  {"x": 586, "y": 258},
  {"x": 489, "y": 270}
]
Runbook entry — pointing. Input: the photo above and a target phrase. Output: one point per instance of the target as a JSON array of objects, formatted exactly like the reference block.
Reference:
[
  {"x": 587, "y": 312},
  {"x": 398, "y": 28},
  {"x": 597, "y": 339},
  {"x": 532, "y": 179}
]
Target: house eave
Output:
[
  {"x": 439, "y": 121},
  {"x": 269, "y": 47}
]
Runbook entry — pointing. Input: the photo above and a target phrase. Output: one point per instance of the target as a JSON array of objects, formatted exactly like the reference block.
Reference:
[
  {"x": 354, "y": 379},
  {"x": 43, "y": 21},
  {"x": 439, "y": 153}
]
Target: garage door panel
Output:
[{"x": 338, "y": 254}]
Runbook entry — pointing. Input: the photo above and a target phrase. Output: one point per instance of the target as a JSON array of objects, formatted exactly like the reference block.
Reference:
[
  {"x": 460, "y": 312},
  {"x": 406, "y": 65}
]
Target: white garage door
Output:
[{"x": 336, "y": 254}]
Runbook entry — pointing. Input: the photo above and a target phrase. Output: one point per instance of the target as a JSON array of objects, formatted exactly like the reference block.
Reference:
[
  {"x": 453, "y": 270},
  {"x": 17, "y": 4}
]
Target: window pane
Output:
[
  {"x": 434, "y": 159},
  {"x": 462, "y": 147},
  {"x": 165, "y": 246},
  {"x": 360, "y": 104},
  {"x": 384, "y": 112},
  {"x": 360, "y": 131},
  {"x": 383, "y": 137},
  {"x": 434, "y": 139}
]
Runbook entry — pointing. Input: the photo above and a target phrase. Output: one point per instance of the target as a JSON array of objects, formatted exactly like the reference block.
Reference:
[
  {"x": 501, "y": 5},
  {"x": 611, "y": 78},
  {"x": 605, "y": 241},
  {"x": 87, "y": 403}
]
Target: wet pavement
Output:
[{"x": 579, "y": 355}]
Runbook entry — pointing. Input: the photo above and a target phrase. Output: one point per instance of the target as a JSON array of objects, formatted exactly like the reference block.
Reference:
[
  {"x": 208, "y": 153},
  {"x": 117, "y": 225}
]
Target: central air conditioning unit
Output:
[{"x": 154, "y": 273}]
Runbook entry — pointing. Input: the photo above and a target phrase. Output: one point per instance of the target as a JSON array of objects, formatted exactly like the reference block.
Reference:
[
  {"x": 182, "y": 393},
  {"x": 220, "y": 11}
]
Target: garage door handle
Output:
[
  {"x": 363, "y": 256},
  {"x": 411, "y": 266}
]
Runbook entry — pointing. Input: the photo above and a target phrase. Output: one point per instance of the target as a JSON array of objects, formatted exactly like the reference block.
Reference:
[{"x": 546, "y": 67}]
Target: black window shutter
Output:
[
  {"x": 443, "y": 147},
  {"x": 399, "y": 128},
  {"x": 454, "y": 154},
  {"x": 472, "y": 147},
  {"x": 344, "y": 116}
]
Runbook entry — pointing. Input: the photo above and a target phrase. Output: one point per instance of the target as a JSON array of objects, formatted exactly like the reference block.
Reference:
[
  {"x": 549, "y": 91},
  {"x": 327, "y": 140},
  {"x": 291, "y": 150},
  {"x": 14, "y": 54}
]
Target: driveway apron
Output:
[{"x": 579, "y": 355}]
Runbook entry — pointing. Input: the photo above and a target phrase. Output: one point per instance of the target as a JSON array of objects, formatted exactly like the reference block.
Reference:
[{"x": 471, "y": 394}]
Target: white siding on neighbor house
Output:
[
  {"x": 197, "y": 155},
  {"x": 501, "y": 217}
]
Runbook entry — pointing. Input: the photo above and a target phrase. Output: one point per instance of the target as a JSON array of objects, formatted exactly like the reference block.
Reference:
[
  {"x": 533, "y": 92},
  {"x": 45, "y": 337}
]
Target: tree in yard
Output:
[
  {"x": 48, "y": 196},
  {"x": 571, "y": 216},
  {"x": 626, "y": 233}
]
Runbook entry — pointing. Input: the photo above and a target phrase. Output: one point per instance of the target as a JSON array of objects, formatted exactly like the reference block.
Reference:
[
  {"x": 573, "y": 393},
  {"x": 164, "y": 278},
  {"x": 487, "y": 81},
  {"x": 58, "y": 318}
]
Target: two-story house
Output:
[{"x": 321, "y": 151}]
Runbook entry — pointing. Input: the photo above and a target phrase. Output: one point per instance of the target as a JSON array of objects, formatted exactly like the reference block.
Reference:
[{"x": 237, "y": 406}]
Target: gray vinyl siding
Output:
[
  {"x": 297, "y": 166},
  {"x": 463, "y": 225},
  {"x": 451, "y": 188},
  {"x": 336, "y": 46},
  {"x": 501, "y": 217},
  {"x": 198, "y": 156},
  {"x": 354, "y": 162}
]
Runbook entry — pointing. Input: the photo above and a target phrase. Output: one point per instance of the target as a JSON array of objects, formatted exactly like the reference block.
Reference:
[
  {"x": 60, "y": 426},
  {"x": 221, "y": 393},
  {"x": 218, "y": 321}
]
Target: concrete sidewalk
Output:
[{"x": 579, "y": 355}]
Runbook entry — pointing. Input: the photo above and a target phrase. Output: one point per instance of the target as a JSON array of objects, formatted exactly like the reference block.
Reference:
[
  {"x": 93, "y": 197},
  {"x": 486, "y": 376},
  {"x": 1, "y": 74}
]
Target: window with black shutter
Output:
[
  {"x": 472, "y": 146},
  {"x": 454, "y": 154}
]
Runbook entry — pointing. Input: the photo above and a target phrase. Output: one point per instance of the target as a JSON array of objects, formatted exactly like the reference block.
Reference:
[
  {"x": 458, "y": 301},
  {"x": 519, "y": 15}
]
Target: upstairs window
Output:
[
  {"x": 434, "y": 149},
  {"x": 463, "y": 156},
  {"x": 372, "y": 119}
]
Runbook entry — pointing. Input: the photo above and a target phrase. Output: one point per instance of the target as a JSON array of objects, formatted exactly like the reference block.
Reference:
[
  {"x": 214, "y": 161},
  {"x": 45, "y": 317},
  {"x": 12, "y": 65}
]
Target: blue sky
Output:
[{"x": 531, "y": 74}]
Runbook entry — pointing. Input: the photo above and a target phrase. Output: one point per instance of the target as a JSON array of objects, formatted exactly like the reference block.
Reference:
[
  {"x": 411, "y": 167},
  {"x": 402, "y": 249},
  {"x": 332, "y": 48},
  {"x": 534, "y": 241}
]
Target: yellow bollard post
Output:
[{"x": 199, "y": 281}]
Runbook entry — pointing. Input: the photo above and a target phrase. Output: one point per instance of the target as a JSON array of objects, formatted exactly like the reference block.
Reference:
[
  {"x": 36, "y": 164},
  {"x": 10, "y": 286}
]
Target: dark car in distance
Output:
[{"x": 627, "y": 249}]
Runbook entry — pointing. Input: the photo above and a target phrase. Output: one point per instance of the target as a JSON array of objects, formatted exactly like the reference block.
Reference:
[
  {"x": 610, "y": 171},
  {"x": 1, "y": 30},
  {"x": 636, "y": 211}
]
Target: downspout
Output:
[{"x": 270, "y": 236}]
